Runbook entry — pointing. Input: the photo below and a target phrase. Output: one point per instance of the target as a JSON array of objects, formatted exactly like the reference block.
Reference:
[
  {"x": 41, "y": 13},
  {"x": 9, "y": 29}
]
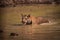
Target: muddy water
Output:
[
  {"x": 28, "y": 32},
  {"x": 32, "y": 32}
]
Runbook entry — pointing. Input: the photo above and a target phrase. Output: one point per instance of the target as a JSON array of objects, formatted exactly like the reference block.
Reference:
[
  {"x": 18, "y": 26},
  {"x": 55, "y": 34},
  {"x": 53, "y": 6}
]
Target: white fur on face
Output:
[{"x": 26, "y": 19}]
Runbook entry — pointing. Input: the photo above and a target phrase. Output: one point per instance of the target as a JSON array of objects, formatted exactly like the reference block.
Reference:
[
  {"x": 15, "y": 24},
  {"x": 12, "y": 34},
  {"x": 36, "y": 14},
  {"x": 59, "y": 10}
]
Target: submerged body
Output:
[
  {"x": 28, "y": 19},
  {"x": 38, "y": 20}
]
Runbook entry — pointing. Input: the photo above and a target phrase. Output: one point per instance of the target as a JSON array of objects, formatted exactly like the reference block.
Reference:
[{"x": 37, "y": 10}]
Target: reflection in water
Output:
[{"x": 33, "y": 32}]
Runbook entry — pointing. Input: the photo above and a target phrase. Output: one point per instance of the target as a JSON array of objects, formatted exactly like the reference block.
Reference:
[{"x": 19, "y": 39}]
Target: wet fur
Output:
[{"x": 34, "y": 20}]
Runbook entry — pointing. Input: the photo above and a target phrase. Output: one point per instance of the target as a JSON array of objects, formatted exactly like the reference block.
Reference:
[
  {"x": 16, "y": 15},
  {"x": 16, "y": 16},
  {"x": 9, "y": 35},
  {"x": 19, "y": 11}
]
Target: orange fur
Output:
[
  {"x": 35, "y": 20},
  {"x": 38, "y": 20}
]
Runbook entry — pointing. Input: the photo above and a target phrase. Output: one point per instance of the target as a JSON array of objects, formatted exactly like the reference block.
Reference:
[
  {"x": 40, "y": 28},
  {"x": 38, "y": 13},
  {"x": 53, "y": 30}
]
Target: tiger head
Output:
[{"x": 26, "y": 19}]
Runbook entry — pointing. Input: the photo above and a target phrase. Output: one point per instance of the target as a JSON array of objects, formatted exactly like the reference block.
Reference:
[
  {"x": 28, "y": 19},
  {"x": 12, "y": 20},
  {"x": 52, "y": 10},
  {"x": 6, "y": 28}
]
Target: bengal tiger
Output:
[{"x": 29, "y": 19}]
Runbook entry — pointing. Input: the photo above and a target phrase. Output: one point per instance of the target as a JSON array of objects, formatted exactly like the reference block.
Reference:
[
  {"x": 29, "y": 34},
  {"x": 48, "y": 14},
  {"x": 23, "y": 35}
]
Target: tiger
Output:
[{"x": 29, "y": 19}]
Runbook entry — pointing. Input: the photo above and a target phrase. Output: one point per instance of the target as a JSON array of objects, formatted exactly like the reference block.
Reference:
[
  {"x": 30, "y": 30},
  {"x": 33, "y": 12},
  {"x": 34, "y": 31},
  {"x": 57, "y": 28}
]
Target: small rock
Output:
[
  {"x": 13, "y": 34},
  {"x": 1, "y": 31}
]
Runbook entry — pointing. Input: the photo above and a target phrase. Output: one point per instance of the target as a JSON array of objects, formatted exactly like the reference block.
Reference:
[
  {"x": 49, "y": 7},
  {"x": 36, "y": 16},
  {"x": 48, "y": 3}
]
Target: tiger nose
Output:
[{"x": 25, "y": 18}]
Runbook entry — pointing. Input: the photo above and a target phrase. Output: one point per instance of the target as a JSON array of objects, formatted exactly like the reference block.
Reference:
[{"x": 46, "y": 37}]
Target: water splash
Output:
[{"x": 50, "y": 23}]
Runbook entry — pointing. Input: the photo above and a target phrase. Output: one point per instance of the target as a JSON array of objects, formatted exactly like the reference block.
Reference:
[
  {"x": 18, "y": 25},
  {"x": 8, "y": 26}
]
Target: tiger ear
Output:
[{"x": 28, "y": 15}]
